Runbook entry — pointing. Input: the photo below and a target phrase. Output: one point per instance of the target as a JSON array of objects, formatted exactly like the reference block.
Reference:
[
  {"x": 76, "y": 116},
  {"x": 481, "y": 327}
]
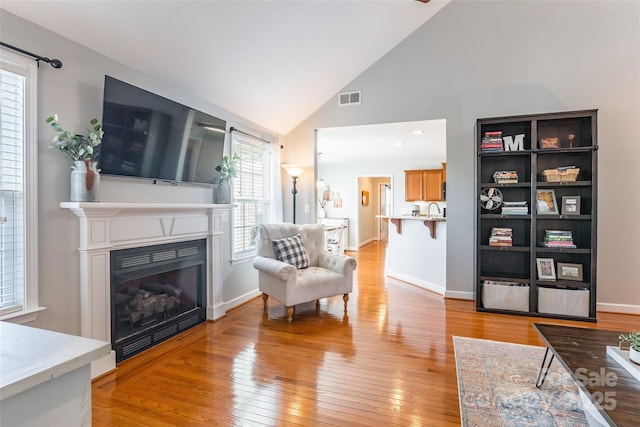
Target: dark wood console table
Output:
[{"x": 583, "y": 351}]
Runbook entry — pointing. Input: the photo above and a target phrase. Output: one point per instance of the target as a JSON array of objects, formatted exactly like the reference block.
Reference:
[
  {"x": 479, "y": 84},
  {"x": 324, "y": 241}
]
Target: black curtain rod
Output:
[
  {"x": 55, "y": 63},
  {"x": 232, "y": 129}
]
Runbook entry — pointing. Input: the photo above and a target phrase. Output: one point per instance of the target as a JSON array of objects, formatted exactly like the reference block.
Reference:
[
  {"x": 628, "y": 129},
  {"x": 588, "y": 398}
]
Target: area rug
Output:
[{"x": 496, "y": 385}]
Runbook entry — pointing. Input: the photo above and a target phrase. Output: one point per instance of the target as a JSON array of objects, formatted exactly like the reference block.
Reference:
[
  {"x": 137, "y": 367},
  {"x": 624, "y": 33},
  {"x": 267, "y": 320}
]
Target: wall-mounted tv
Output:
[{"x": 149, "y": 136}]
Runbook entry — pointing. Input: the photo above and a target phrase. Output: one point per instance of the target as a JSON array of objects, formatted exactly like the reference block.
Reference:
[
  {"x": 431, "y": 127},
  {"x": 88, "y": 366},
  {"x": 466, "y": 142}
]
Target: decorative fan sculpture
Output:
[{"x": 490, "y": 198}]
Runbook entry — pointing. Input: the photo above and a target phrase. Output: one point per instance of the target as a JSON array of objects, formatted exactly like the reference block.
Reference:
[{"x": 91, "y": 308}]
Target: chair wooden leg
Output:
[
  {"x": 289, "y": 314},
  {"x": 345, "y": 297},
  {"x": 265, "y": 297}
]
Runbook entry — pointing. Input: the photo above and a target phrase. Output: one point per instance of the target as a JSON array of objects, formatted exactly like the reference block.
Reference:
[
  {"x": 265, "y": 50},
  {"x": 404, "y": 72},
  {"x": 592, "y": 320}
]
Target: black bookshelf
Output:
[{"x": 544, "y": 151}]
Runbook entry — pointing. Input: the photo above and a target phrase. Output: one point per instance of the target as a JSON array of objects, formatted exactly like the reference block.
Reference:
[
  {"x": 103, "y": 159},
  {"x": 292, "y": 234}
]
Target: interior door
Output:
[{"x": 384, "y": 209}]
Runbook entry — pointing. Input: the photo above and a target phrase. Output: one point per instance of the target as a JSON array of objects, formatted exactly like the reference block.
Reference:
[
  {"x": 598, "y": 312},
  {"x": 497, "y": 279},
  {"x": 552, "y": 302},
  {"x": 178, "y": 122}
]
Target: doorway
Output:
[
  {"x": 384, "y": 209},
  {"x": 376, "y": 150}
]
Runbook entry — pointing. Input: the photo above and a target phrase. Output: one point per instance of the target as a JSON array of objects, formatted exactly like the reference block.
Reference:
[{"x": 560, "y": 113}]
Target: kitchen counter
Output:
[
  {"x": 429, "y": 221},
  {"x": 418, "y": 218},
  {"x": 50, "y": 368}
]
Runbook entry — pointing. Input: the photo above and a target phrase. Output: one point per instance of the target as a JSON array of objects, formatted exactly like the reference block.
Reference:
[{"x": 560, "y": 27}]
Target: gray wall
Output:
[
  {"x": 483, "y": 59},
  {"x": 75, "y": 94}
]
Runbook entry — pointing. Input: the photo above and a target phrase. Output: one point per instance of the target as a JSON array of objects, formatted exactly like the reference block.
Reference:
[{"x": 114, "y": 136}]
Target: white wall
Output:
[
  {"x": 74, "y": 92},
  {"x": 496, "y": 58}
]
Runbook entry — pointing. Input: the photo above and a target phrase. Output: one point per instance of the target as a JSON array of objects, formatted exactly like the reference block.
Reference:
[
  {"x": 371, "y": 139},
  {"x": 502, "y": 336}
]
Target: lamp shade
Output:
[{"x": 293, "y": 170}]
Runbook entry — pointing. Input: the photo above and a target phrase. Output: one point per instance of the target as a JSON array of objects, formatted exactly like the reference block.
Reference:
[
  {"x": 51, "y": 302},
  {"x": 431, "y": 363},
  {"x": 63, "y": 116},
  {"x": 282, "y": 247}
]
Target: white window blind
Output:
[
  {"x": 250, "y": 192},
  {"x": 12, "y": 191},
  {"x": 18, "y": 188}
]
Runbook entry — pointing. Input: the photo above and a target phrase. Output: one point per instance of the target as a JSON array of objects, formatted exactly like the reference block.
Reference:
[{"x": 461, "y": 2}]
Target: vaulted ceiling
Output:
[{"x": 272, "y": 62}]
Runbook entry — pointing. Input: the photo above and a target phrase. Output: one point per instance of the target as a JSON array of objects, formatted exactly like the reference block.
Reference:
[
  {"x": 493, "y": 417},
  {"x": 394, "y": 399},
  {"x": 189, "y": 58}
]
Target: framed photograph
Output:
[
  {"x": 546, "y": 269},
  {"x": 568, "y": 271},
  {"x": 365, "y": 198},
  {"x": 570, "y": 205},
  {"x": 546, "y": 202}
]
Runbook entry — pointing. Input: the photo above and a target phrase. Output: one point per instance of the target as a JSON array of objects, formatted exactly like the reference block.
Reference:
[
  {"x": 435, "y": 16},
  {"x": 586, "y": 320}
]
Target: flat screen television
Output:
[{"x": 149, "y": 136}]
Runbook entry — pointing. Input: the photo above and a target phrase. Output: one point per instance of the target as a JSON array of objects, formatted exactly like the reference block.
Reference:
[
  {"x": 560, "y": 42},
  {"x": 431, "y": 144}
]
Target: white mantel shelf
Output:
[
  {"x": 109, "y": 226},
  {"x": 138, "y": 206}
]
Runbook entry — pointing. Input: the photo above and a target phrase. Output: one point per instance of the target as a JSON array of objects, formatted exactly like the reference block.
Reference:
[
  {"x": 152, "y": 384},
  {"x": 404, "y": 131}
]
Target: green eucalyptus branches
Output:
[
  {"x": 228, "y": 168},
  {"x": 76, "y": 146}
]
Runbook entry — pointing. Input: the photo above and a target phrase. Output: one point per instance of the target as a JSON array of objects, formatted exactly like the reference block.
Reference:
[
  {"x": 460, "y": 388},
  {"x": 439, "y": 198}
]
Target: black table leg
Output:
[{"x": 542, "y": 375}]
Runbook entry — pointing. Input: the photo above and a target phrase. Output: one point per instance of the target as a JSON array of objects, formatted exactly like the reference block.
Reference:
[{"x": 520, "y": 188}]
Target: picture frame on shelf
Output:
[
  {"x": 570, "y": 205},
  {"x": 546, "y": 203},
  {"x": 568, "y": 271},
  {"x": 546, "y": 268}
]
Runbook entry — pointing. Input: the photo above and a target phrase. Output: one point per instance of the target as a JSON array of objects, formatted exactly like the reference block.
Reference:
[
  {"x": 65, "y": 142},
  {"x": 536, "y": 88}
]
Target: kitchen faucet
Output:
[{"x": 437, "y": 207}]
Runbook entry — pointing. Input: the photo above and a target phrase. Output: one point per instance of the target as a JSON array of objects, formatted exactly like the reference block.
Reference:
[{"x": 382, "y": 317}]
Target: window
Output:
[
  {"x": 250, "y": 193},
  {"x": 18, "y": 191}
]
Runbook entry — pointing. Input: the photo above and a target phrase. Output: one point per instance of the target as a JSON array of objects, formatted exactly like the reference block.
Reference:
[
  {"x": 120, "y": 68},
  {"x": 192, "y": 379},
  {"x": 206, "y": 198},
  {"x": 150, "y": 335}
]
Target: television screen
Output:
[{"x": 149, "y": 136}]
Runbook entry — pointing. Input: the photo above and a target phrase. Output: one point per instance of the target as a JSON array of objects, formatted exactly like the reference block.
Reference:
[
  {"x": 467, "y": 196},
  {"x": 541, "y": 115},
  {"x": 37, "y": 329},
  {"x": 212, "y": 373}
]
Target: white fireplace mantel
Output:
[{"x": 105, "y": 227}]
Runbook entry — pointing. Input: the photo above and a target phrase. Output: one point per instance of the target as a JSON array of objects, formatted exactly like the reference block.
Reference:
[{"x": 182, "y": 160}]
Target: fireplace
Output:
[
  {"x": 156, "y": 292},
  {"x": 107, "y": 228}
]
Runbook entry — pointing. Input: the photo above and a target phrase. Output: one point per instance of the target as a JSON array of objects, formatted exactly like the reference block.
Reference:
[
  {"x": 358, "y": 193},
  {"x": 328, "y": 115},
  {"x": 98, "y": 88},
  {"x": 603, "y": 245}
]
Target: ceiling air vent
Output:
[{"x": 349, "y": 98}]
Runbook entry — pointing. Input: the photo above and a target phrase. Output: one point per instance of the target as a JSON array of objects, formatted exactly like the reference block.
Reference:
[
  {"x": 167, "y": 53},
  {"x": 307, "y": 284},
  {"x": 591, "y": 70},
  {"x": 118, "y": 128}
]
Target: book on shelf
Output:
[
  {"x": 558, "y": 239},
  {"x": 501, "y": 236},
  {"x": 491, "y": 141},
  {"x": 515, "y": 208},
  {"x": 505, "y": 177}
]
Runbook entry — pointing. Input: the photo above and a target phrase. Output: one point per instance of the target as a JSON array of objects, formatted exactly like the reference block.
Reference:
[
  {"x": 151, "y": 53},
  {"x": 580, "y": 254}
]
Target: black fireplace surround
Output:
[{"x": 156, "y": 292}]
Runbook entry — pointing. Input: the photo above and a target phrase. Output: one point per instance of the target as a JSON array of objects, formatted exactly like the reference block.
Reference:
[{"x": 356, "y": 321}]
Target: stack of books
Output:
[
  {"x": 558, "y": 239},
  {"x": 505, "y": 177},
  {"x": 501, "y": 236},
  {"x": 515, "y": 208},
  {"x": 491, "y": 141}
]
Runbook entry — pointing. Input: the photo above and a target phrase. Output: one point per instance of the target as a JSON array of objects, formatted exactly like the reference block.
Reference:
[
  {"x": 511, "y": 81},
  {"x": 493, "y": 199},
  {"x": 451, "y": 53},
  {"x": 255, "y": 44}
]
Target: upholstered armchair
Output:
[{"x": 294, "y": 266}]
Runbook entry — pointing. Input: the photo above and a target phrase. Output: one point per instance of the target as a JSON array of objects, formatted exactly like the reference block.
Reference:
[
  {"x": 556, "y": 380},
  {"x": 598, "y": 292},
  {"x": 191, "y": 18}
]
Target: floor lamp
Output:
[{"x": 294, "y": 172}]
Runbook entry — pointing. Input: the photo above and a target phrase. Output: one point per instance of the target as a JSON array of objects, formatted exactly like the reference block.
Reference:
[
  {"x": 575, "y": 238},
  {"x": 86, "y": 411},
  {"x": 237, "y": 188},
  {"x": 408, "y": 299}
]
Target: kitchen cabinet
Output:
[{"x": 425, "y": 185}]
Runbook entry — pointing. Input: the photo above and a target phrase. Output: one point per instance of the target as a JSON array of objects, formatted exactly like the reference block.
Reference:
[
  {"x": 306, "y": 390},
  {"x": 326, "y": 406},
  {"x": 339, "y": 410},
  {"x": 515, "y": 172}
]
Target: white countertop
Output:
[{"x": 31, "y": 356}]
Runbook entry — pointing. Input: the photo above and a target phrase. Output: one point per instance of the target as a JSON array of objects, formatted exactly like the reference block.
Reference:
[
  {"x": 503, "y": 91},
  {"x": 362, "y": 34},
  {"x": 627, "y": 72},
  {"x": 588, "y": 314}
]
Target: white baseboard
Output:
[
  {"x": 391, "y": 276},
  {"x": 241, "y": 299},
  {"x": 101, "y": 366},
  {"x": 459, "y": 295},
  {"x": 366, "y": 242},
  {"x": 618, "y": 308}
]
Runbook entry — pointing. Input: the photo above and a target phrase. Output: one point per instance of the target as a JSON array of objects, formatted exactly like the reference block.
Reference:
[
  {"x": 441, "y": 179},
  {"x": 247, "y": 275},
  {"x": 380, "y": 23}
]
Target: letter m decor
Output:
[{"x": 514, "y": 143}]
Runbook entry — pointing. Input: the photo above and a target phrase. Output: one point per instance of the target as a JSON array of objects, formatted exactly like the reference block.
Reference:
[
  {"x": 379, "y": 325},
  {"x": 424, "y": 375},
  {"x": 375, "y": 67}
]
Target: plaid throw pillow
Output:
[{"x": 291, "y": 250}]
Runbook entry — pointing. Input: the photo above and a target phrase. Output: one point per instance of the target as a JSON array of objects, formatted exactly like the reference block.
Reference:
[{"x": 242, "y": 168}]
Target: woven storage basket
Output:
[{"x": 555, "y": 175}]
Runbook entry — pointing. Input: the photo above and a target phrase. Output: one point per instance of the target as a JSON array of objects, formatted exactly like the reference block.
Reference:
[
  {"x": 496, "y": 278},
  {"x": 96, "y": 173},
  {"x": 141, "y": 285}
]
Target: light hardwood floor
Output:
[{"x": 390, "y": 362}]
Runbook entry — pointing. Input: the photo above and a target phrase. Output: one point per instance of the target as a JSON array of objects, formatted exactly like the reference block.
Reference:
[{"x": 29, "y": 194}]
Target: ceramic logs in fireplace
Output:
[{"x": 156, "y": 292}]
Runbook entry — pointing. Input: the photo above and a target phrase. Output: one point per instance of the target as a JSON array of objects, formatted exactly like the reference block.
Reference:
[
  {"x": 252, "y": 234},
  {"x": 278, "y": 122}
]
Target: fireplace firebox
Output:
[{"x": 156, "y": 292}]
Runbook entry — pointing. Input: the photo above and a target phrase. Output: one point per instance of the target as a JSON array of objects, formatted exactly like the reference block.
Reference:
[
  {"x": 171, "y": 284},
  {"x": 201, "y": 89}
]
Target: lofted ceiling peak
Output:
[{"x": 271, "y": 62}]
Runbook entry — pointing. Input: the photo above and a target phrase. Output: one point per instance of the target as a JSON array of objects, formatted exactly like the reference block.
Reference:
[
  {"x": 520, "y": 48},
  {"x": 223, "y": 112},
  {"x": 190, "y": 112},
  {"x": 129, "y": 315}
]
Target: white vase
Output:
[
  {"x": 322, "y": 213},
  {"x": 223, "y": 192},
  {"x": 85, "y": 181},
  {"x": 634, "y": 355}
]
